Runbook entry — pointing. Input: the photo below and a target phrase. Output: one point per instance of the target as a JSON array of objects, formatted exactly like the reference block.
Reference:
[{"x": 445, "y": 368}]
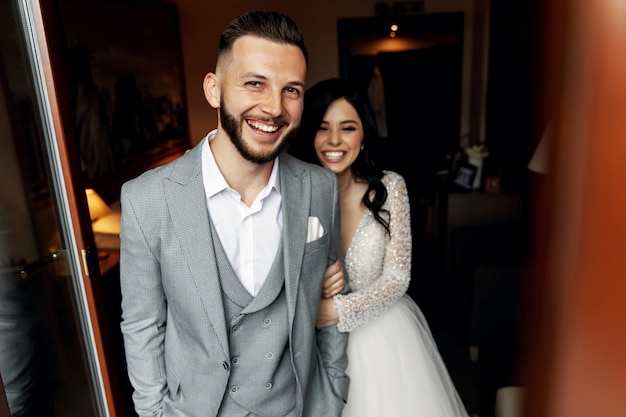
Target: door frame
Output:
[{"x": 39, "y": 20}]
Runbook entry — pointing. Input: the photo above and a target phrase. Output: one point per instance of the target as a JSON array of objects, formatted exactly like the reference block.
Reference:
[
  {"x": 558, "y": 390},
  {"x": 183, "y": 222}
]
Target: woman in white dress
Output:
[{"x": 394, "y": 366}]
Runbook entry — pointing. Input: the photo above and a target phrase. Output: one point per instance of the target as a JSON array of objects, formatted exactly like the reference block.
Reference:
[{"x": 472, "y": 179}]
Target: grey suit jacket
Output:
[{"x": 173, "y": 324}]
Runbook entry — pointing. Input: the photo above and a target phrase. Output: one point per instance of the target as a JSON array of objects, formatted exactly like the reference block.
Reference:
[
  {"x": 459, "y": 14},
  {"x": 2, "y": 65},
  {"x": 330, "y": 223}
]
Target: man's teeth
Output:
[{"x": 265, "y": 128}]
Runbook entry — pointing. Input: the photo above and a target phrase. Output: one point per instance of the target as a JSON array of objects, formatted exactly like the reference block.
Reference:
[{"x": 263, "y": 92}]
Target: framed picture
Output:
[
  {"x": 464, "y": 175},
  {"x": 126, "y": 85}
]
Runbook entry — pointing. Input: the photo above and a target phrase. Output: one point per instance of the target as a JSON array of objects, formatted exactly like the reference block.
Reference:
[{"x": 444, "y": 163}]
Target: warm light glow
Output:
[
  {"x": 394, "y": 28},
  {"x": 392, "y": 34},
  {"x": 97, "y": 207}
]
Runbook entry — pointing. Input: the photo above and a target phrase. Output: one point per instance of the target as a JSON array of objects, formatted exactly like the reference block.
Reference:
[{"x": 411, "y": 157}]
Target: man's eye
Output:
[{"x": 293, "y": 92}]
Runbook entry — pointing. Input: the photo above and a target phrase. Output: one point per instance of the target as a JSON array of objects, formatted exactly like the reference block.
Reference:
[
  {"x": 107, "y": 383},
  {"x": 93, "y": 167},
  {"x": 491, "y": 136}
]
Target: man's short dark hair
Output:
[{"x": 271, "y": 25}]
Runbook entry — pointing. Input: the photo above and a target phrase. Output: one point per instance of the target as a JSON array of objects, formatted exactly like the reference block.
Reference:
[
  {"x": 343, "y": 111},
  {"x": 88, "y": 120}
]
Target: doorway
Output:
[{"x": 420, "y": 63}]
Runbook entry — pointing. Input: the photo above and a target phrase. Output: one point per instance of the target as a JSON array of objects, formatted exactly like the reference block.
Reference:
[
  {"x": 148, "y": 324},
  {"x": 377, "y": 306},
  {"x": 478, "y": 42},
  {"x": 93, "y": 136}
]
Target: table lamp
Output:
[{"x": 103, "y": 219}]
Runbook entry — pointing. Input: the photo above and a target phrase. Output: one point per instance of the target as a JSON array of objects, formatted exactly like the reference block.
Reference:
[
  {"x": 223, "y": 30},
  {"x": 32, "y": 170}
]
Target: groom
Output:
[{"x": 223, "y": 251}]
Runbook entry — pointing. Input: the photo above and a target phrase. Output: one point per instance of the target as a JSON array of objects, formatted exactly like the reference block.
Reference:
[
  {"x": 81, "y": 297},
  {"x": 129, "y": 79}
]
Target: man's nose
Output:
[{"x": 273, "y": 103}]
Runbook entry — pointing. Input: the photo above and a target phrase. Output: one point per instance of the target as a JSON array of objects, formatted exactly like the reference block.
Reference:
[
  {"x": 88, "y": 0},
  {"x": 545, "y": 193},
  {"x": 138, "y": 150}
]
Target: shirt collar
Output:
[{"x": 214, "y": 181}]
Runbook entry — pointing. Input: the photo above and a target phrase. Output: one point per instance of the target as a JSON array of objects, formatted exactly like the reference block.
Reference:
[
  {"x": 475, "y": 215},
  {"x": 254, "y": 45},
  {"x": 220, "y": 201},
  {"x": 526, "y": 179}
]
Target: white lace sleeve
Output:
[{"x": 378, "y": 264}]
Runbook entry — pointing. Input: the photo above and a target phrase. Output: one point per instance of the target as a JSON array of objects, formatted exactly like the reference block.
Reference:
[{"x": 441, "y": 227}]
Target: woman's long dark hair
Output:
[{"x": 317, "y": 99}]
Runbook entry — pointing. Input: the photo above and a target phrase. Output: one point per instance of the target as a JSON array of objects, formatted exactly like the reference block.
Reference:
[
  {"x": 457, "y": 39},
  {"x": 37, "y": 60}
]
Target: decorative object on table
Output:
[
  {"x": 493, "y": 182},
  {"x": 464, "y": 175},
  {"x": 510, "y": 401},
  {"x": 476, "y": 155}
]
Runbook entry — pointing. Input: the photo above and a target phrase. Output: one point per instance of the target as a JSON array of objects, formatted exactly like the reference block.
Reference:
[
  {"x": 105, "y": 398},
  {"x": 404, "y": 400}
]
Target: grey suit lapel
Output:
[
  {"x": 184, "y": 192},
  {"x": 295, "y": 183}
]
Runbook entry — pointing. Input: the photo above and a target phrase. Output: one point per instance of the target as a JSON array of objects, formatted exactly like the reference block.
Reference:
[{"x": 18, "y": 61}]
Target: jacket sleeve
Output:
[
  {"x": 332, "y": 344},
  {"x": 143, "y": 313}
]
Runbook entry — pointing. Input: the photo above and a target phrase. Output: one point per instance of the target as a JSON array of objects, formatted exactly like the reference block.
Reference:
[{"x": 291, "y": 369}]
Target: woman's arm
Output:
[{"x": 366, "y": 304}]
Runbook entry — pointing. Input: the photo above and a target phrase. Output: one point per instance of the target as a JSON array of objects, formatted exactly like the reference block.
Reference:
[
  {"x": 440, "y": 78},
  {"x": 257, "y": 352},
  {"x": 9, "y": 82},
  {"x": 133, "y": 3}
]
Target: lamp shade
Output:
[
  {"x": 97, "y": 207},
  {"x": 540, "y": 159}
]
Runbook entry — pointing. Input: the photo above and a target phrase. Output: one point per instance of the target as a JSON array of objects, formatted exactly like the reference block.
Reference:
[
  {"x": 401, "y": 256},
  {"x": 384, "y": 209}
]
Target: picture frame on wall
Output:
[
  {"x": 126, "y": 87},
  {"x": 464, "y": 175}
]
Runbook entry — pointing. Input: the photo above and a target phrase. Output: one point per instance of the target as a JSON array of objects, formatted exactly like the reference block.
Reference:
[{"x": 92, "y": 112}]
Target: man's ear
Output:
[{"x": 212, "y": 90}]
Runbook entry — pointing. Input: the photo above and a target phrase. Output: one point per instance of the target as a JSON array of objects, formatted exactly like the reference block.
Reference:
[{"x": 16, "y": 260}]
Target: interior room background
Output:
[
  {"x": 494, "y": 107},
  {"x": 496, "y": 81},
  {"x": 577, "y": 307},
  {"x": 201, "y": 27}
]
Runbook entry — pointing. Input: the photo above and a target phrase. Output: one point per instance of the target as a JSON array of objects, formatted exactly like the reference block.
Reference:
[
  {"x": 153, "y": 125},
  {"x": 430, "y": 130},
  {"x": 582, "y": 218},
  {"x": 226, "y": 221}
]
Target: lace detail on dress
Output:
[{"x": 378, "y": 264}]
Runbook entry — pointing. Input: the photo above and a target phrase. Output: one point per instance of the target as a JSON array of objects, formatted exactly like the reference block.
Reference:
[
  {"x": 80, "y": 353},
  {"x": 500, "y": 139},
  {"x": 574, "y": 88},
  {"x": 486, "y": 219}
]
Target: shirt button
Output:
[
  {"x": 269, "y": 355},
  {"x": 268, "y": 385},
  {"x": 234, "y": 389},
  {"x": 236, "y": 329},
  {"x": 267, "y": 321},
  {"x": 235, "y": 360}
]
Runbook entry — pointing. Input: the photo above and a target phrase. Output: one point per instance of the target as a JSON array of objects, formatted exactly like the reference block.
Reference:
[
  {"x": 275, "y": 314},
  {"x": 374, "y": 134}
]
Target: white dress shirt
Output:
[{"x": 249, "y": 235}]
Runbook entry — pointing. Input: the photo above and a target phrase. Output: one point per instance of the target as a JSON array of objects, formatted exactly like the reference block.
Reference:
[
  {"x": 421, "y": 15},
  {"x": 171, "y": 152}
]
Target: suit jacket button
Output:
[{"x": 225, "y": 365}]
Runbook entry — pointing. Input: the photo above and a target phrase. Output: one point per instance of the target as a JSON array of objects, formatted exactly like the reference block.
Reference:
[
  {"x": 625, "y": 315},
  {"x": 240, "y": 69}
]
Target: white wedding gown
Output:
[{"x": 394, "y": 366}]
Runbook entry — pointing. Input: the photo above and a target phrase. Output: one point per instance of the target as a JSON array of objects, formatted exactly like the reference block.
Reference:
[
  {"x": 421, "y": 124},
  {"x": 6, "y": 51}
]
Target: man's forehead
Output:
[{"x": 256, "y": 54}]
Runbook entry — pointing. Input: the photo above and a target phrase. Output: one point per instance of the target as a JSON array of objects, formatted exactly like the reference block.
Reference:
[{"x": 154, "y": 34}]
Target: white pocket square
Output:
[{"x": 315, "y": 230}]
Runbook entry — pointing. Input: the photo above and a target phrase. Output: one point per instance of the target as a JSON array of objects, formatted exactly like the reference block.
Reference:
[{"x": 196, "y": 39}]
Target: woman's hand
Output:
[{"x": 334, "y": 280}]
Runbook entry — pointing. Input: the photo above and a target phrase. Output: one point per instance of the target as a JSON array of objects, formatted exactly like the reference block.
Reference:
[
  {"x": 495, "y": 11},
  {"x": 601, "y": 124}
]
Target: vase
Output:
[{"x": 478, "y": 163}]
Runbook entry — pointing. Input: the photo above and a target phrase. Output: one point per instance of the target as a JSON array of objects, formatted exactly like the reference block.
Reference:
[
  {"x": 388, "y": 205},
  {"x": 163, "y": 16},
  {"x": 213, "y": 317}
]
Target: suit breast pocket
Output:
[{"x": 314, "y": 245}]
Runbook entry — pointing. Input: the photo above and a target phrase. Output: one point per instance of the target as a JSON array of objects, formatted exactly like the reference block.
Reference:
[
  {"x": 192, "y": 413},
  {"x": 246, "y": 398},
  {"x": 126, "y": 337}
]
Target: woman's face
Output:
[{"x": 339, "y": 137}]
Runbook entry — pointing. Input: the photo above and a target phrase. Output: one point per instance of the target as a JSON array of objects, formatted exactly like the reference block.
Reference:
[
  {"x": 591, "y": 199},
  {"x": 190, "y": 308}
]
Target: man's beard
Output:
[{"x": 230, "y": 126}]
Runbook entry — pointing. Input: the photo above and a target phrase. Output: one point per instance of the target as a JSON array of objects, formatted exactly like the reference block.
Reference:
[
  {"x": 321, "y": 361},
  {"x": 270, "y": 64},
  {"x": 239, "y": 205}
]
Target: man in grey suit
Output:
[{"x": 223, "y": 251}]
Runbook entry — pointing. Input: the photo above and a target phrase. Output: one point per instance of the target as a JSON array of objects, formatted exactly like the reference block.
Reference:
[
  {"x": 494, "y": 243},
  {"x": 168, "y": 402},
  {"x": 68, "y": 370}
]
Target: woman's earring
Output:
[{"x": 362, "y": 146}]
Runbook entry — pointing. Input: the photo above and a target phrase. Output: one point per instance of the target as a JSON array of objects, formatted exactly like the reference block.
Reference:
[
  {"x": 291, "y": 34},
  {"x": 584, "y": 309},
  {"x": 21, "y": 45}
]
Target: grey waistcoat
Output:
[{"x": 262, "y": 381}]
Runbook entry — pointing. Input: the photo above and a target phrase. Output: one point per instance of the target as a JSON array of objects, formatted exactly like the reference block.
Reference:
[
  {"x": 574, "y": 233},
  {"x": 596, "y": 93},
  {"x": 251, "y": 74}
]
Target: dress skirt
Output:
[{"x": 396, "y": 370}]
